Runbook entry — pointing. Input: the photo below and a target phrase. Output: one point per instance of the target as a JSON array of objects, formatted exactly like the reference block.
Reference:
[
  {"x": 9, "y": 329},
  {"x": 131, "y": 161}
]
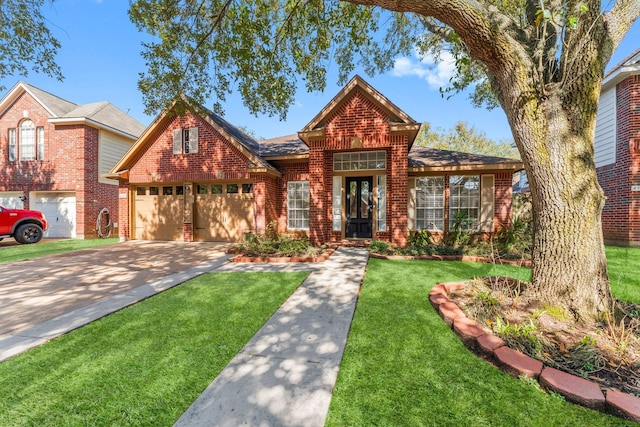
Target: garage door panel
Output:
[
  {"x": 158, "y": 217},
  {"x": 223, "y": 217},
  {"x": 11, "y": 200},
  {"x": 60, "y": 211}
]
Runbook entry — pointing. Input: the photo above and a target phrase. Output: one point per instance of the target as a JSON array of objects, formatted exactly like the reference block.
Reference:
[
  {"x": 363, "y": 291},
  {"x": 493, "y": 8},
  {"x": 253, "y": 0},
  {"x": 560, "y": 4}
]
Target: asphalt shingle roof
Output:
[
  {"x": 283, "y": 146},
  {"x": 430, "y": 157}
]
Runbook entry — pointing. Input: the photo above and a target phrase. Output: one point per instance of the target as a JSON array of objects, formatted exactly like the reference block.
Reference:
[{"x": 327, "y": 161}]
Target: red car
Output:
[{"x": 24, "y": 225}]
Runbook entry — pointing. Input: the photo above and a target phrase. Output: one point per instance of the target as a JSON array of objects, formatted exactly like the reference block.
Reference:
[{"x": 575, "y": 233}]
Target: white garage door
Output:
[
  {"x": 60, "y": 211},
  {"x": 11, "y": 199}
]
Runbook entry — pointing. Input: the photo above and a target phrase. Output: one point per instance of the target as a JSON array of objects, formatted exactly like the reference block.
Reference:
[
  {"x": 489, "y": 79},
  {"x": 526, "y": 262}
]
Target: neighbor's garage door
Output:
[
  {"x": 223, "y": 212},
  {"x": 11, "y": 199},
  {"x": 159, "y": 212},
  {"x": 60, "y": 211}
]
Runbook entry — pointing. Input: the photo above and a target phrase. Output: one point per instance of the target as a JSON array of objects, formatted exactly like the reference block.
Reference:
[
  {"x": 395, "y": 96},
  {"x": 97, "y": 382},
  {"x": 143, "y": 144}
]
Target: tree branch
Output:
[{"x": 620, "y": 19}]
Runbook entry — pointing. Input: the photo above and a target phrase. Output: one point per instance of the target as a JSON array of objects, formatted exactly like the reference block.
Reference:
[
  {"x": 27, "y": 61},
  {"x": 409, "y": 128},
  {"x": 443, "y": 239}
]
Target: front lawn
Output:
[
  {"x": 624, "y": 273},
  {"x": 404, "y": 367},
  {"x": 50, "y": 247},
  {"x": 146, "y": 364}
]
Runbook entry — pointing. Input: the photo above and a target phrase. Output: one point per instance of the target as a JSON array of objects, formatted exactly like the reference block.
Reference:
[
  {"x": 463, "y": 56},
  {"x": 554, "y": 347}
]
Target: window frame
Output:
[
  {"x": 27, "y": 149},
  {"x": 296, "y": 218},
  {"x": 427, "y": 217},
  {"x": 466, "y": 198}
]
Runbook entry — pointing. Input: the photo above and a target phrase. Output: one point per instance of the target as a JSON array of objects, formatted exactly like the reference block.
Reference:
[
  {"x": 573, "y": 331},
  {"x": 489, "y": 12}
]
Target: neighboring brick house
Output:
[
  {"x": 56, "y": 155},
  {"x": 617, "y": 152},
  {"x": 351, "y": 173}
]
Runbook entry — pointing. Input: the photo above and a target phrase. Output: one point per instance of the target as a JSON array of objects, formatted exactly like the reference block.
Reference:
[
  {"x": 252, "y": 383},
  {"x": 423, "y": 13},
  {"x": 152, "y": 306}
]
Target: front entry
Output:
[{"x": 359, "y": 207}]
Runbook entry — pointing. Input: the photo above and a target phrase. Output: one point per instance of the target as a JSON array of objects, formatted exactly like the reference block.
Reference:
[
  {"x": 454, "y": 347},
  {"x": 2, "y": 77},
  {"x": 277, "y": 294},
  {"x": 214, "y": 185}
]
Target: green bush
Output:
[{"x": 272, "y": 243}]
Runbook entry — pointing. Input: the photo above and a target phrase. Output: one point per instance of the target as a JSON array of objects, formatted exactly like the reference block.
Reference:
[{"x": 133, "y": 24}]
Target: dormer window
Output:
[{"x": 26, "y": 142}]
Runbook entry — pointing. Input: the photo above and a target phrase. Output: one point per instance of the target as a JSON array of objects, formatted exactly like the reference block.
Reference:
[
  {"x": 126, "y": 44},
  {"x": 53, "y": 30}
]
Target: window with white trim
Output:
[
  {"x": 430, "y": 203},
  {"x": 464, "y": 201},
  {"x": 26, "y": 142},
  {"x": 298, "y": 205},
  {"x": 360, "y": 160}
]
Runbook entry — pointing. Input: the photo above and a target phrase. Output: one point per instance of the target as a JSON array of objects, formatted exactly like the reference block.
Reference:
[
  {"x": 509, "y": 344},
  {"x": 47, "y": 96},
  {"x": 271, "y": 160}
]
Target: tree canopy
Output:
[
  {"x": 466, "y": 139},
  {"x": 26, "y": 44}
]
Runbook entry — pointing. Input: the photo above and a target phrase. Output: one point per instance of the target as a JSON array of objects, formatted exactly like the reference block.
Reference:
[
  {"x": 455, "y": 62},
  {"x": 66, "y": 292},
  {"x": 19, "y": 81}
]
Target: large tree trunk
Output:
[{"x": 569, "y": 263}]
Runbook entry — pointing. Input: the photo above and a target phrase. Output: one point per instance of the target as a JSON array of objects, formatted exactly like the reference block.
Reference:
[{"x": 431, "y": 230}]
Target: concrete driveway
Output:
[{"x": 34, "y": 291}]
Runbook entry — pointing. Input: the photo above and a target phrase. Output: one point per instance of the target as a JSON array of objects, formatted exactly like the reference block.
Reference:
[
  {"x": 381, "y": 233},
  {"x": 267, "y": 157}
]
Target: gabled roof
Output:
[
  {"x": 105, "y": 115},
  {"x": 102, "y": 115},
  {"x": 425, "y": 159},
  {"x": 243, "y": 142},
  {"x": 627, "y": 67},
  {"x": 398, "y": 119}
]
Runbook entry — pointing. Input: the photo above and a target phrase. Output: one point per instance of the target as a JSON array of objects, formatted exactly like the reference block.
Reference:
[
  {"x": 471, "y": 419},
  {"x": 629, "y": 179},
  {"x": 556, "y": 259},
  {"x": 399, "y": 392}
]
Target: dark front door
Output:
[{"x": 359, "y": 206}]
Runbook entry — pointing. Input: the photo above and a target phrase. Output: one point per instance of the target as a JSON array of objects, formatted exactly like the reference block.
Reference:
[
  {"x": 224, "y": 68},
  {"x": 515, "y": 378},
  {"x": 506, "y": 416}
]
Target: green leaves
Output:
[
  {"x": 26, "y": 44},
  {"x": 260, "y": 48}
]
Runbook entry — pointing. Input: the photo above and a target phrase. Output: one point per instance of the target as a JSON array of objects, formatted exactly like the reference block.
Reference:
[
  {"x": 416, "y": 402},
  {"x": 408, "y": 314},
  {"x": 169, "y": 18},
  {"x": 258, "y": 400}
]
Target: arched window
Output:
[{"x": 27, "y": 140}]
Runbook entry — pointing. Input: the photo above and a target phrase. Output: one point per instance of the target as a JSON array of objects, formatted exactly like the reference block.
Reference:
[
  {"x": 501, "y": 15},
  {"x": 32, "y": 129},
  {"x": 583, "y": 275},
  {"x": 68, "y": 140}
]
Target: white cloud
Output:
[{"x": 424, "y": 67}]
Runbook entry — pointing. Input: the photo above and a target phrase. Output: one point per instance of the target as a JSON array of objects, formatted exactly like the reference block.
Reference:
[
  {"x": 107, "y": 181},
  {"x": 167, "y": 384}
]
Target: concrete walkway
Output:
[{"x": 285, "y": 374}]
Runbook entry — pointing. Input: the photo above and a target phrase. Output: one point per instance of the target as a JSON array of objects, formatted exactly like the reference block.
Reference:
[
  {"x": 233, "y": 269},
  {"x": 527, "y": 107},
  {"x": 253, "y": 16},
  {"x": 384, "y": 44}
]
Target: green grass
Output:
[
  {"x": 146, "y": 364},
  {"x": 50, "y": 247},
  {"x": 404, "y": 367},
  {"x": 624, "y": 268}
]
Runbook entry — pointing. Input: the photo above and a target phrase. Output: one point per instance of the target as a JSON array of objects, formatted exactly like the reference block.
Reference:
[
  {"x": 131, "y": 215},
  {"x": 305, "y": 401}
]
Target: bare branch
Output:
[
  {"x": 620, "y": 19},
  {"x": 433, "y": 26}
]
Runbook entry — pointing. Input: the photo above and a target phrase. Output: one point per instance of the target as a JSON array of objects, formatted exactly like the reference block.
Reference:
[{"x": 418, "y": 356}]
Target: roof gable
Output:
[
  {"x": 398, "y": 119},
  {"x": 247, "y": 145},
  {"x": 99, "y": 114},
  {"x": 54, "y": 105}
]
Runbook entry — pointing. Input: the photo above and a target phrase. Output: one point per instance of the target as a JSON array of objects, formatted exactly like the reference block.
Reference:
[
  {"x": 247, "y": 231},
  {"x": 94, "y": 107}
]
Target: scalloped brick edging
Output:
[
  {"x": 465, "y": 258},
  {"x": 573, "y": 388},
  {"x": 321, "y": 258}
]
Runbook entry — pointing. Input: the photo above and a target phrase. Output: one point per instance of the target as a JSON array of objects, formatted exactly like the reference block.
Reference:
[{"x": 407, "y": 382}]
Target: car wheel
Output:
[{"x": 28, "y": 233}]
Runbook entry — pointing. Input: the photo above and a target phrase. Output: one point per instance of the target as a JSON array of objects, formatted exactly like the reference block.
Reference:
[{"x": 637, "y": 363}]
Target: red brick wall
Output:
[
  {"x": 621, "y": 214},
  {"x": 265, "y": 195},
  {"x": 217, "y": 159},
  {"x": 157, "y": 163},
  {"x": 123, "y": 210},
  {"x": 70, "y": 164},
  {"x": 290, "y": 172},
  {"x": 358, "y": 117}
]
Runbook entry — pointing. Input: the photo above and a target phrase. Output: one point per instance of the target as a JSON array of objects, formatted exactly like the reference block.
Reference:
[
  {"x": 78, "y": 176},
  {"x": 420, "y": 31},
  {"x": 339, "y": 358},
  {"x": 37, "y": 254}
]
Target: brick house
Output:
[
  {"x": 56, "y": 155},
  {"x": 617, "y": 152},
  {"x": 351, "y": 173}
]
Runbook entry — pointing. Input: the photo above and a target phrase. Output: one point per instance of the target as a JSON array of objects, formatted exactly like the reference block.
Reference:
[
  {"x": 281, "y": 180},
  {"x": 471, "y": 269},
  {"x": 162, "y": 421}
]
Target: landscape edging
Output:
[
  {"x": 321, "y": 258},
  {"x": 464, "y": 258},
  {"x": 613, "y": 402}
]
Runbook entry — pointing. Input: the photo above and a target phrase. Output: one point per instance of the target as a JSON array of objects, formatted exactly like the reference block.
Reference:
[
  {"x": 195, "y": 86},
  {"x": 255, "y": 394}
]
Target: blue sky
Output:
[{"x": 100, "y": 59}]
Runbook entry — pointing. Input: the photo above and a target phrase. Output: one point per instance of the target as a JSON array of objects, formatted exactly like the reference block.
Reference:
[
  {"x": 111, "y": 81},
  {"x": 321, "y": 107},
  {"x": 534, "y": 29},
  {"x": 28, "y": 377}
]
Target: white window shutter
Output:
[
  {"x": 177, "y": 141},
  {"x": 193, "y": 140}
]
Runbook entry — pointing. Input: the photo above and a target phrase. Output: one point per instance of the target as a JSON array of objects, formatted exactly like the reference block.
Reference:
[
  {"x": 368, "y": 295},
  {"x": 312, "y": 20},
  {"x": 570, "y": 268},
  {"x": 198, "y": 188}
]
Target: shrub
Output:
[
  {"x": 272, "y": 243},
  {"x": 380, "y": 247}
]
